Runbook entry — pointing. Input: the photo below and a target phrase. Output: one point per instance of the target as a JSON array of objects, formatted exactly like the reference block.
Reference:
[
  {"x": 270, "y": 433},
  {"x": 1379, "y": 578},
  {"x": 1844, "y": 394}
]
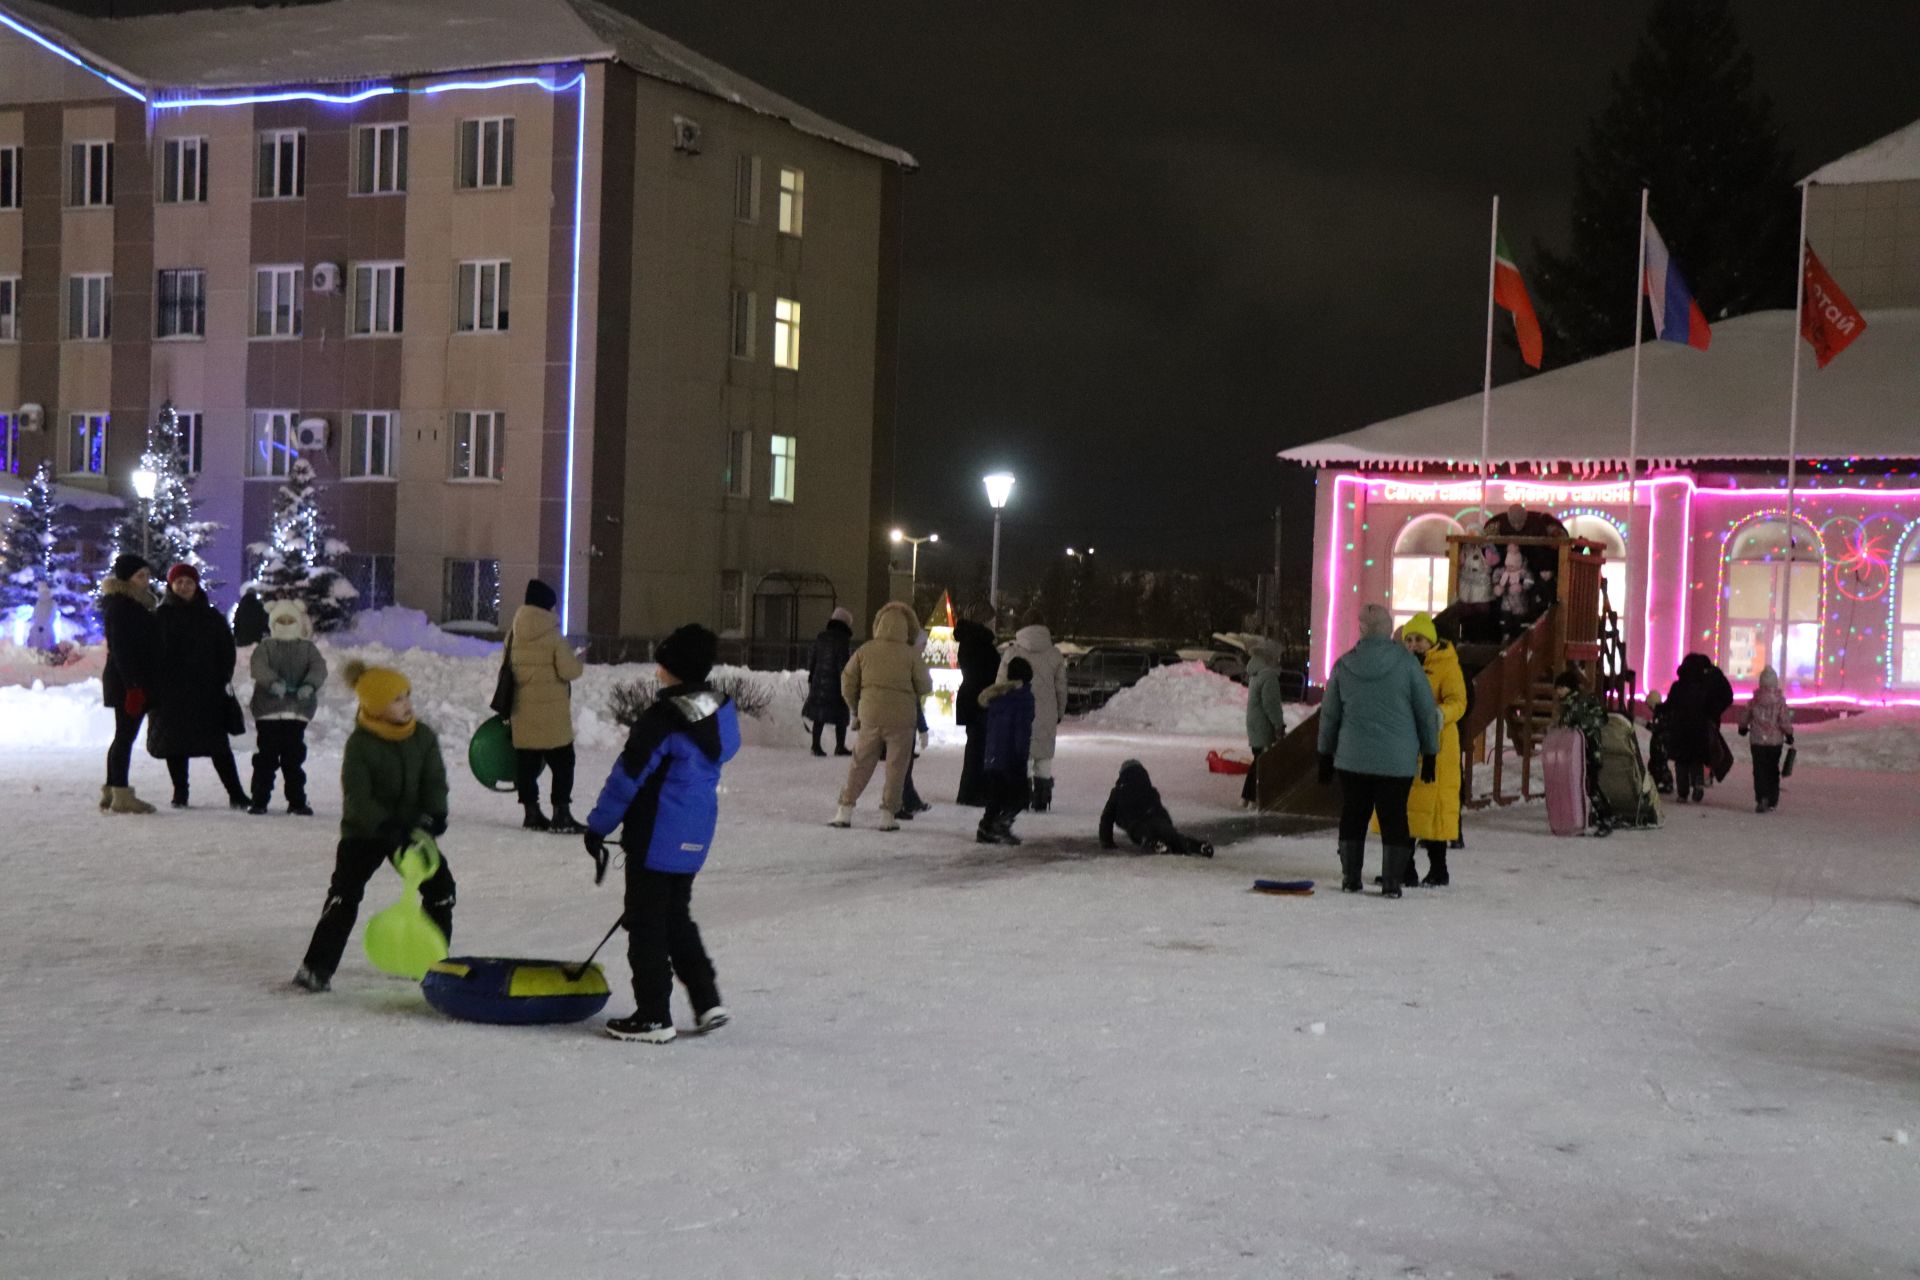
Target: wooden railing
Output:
[{"x": 1503, "y": 692}]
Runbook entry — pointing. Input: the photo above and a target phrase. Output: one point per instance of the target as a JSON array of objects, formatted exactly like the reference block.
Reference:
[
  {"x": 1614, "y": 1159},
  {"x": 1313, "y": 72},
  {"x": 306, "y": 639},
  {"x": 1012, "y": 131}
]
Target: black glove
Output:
[
  {"x": 1326, "y": 769},
  {"x": 1429, "y": 768},
  {"x": 597, "y": 850},
  {"x": 436, "y": 825},
  {"x": 1789, "y": 739}
]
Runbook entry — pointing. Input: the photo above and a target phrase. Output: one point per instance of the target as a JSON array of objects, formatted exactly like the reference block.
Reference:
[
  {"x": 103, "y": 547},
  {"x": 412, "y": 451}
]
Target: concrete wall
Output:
[{"x": 1868, "y": 235}]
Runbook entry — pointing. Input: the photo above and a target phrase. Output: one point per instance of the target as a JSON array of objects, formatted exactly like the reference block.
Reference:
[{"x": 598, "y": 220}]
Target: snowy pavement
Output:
[{"x": 1688, "y": 1053}]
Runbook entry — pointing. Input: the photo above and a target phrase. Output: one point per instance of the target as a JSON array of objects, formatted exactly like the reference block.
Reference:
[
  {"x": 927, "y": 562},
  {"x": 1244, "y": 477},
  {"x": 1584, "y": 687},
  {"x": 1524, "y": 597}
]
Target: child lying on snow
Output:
[{"x": 1134, "y": 806}]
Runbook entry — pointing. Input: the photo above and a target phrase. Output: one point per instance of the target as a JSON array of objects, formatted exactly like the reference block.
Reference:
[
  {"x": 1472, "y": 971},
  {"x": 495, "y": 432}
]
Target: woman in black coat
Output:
[
  {"x": 1691, "y": 718},
  {"x": 832, "y": 648},
  {"x": 979, "y": 667},
  {"x": 190, "y": 699},
  {"x": 126, "y": 615}
]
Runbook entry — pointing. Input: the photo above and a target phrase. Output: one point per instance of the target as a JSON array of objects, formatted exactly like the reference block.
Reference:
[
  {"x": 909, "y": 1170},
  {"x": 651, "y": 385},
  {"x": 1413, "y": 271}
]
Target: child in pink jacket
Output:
[{"x": 1767, "y": 722}]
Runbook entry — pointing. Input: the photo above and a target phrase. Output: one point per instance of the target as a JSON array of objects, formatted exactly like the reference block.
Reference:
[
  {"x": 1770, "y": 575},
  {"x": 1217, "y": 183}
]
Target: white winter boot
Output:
[
  {"x": 842, "y": 817},
  {"x": 889, "y": 820}
]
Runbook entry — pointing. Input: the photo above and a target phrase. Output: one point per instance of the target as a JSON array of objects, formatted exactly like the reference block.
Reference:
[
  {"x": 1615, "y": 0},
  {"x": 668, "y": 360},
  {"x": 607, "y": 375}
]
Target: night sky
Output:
[{"x": 1153, "y": 243}]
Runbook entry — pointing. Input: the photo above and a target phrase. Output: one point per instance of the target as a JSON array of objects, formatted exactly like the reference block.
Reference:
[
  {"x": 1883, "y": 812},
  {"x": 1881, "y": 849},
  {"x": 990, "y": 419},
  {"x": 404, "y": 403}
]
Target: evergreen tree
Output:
[
  {"x": 38, "y": 549},
  {"x": 173, "y": 536},
  {"x": 294, "y": 563},
  {"x": 1687, "y": 123}
]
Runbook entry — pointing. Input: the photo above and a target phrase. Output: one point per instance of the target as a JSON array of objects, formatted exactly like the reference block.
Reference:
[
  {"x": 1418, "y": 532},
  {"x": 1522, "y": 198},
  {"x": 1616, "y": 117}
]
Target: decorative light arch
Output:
[
  {"x": 1818, "y": 545},
  {"x": 1907, "y": 546}
]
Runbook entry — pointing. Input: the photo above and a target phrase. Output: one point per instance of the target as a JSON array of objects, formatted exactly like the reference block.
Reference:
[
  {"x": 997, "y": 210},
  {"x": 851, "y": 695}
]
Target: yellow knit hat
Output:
[
  {"x": 376, "y": 687},
  {"x": 1421, "y": 624}
]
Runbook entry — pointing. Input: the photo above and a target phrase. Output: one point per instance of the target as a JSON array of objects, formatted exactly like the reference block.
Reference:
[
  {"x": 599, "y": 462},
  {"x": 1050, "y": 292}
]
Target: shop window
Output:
[
  {"x": 1420, "y": 566},
  {"x": 1771, "y": 606}
]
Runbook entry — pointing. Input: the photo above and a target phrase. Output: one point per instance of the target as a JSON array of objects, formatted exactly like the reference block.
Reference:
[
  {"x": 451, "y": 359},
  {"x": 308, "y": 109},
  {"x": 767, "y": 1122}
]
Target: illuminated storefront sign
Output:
[{"x": 1501, "y": 492}]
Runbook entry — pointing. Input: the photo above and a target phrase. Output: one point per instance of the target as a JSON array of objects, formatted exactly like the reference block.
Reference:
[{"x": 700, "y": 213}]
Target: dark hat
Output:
[
  {"x": 1020, "y": 669},
  {"x": 182, "y": 570},
  {"x": 689, "y": 653},
  {"x": 128, "y": 564},
  {"x": 540, "y": 595}
]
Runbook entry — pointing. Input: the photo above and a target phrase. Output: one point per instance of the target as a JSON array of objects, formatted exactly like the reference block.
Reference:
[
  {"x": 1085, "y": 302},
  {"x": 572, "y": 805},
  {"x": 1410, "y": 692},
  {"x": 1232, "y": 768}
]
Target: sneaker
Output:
[
  {"x": 842, "y": 817},
  {"x": 258, "y": 808},
  {"x": 308, "y": 980},
  {"x": 300, "y": 809},
  {"x": 635, "y": 1028},
  {"x": 712, "y": 1020}
]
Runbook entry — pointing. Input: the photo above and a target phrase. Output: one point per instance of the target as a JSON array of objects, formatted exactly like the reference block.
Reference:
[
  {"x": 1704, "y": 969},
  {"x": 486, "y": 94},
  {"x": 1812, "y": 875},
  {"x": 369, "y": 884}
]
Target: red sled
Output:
[
  {"x": 1563, "y": 758},
  {"x": 1217, "y": 763}
]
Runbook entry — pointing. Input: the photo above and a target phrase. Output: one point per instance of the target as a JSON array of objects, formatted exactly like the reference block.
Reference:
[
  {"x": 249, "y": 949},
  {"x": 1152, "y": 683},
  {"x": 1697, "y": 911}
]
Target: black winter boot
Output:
[
  {"x": 1396, "y": 866},
  {"x": 535, "y": 820},
  {"x": 1042, "y": 795},
  {"x": 563, "y": 823},
  {"x": 1353, "y": 855},
  {"x": 1436, "y": 866}
]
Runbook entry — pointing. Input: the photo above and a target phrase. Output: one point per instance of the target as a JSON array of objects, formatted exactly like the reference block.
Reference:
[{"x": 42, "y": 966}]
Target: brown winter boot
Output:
[
  {"x": 124, "y": 801},
  {"x": 106, "y": 797}
]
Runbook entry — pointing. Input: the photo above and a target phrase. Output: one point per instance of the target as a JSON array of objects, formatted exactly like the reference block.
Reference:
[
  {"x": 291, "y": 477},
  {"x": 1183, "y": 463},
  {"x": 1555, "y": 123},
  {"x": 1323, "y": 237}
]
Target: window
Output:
[
  {"x": 89, "y": 174},
  {"x": 1420, "y": 567},
  {"x": 371, "y": 576},
  {"x": 786, "y": 333},
  {"x": 486, "y": 153},
  {"x": 746, "y": 189},
  {"x": 9, "y": 445},
  {"x": 183, "y": 171},
  {"x": 780, "y": 482},
  {"x": 739, "y": 462},
  {"x": 733, "y": 602},
  {"x": 271, "y": 452},
  {"x": 183, "y": 304},
  {"x": 10, "y": 162},
  {"x": 793, "y": 201},
  {"x": 1613, "y": 570},
  {"x": 1906, "y": 619},
  {"x": 9, "y": 308},
  {"x": 186, "y": 442},
  {"x": 744, "y": 306},
  {"x": 380, "y": 166},
  {"x": 1772, "y": 605},
  {"x": 276, "y": 302},
  {"x": 477, "y": 446},
  {"x": 473, "y": 592},
  {"x": 483, "y": 297},
  {"x": 283, "y": 164},
  {"x": 379, "y": 289},
  {"x": 87, "y": 444},
  {"x": 369, "y": 446},
  {"x": 89, "y": 308}
]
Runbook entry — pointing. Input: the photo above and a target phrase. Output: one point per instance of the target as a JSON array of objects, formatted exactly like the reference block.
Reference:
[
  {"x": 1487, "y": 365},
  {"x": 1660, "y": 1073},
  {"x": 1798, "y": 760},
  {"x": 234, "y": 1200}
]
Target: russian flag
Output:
[{"x": 1676, "y": 316}]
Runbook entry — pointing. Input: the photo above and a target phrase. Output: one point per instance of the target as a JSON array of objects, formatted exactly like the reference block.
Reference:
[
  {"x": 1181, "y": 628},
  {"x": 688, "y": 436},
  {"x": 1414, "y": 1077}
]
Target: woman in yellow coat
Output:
[
  {"x": 544, "y": 669},
  {"x": 1433, "y": 808}
]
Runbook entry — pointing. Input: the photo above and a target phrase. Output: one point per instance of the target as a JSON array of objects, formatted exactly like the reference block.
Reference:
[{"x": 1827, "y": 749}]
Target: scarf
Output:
[{"x": 383, "y": 729}]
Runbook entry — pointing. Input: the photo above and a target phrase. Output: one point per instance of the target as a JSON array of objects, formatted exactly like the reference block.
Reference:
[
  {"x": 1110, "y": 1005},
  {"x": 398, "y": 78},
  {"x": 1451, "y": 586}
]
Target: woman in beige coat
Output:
[
  {"x": 884, "y": 683},
  {"x": 544, "y": 669}
]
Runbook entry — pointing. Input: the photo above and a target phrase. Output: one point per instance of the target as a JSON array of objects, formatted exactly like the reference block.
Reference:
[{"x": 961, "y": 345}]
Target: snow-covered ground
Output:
[{"x": 1685, "y": 1053}]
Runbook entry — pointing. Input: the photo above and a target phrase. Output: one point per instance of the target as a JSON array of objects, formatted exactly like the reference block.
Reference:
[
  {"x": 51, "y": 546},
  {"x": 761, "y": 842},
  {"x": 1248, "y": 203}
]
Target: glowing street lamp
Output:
[
  {"x": 899, "y": 536},
  {"x": 999, "y": 489},
  {"x": 145, "y": 483}
]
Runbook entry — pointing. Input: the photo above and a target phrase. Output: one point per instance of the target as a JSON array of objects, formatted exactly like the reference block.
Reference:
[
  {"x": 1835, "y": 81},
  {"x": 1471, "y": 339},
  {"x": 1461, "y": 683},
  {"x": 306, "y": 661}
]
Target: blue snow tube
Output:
[{"x": 514, "y": 992}]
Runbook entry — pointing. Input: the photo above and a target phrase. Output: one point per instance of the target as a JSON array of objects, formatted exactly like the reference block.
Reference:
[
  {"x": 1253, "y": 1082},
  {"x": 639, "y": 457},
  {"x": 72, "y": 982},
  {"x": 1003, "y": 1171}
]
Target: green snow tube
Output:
[{"x": 490, "y": 755}]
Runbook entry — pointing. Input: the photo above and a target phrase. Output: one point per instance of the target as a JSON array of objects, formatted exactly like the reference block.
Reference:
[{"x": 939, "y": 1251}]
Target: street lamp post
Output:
[
  {"x": 145, "y": 482},
  {"x": 901, "y": 535},
  {"x": 999, "y": 489}
]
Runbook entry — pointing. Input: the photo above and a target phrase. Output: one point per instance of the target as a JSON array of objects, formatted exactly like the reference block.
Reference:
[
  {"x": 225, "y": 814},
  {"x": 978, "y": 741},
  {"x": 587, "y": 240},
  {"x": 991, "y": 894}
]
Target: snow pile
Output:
[
  {"x": 1183, "y": 698},
  {"x": 403, "y": 629},
  {"x": 69, "y": 716},
  {"x": 20, "y": 665},
  {"x": 1884, "y": 740}
]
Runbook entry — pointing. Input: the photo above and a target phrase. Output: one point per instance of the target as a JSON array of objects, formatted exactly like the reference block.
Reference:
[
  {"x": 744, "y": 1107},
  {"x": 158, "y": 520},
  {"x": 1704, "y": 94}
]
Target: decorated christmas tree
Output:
[
  {"x": 172, "y": 534},
  {"x": 295, "y": 562},
  {"x": 39, "y": 549}
]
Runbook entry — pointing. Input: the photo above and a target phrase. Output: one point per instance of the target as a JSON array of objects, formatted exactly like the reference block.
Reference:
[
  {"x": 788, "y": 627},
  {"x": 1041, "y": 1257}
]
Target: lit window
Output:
[
  {"x": 9, "y": 308},
  {"x": 1772, "y": 606},
  {"x": 793, "y": 201},
  {"x": 182, "y": 298},
  {"x": 739, "y": 462},
  {"x": 283, "y": 164},
  {"x": 745, "y": 304},
  {"x": 486, "y": 153},
  {"x": 381, "y": 162},
  {"x": 1906, "y": 581},
  {"x": 186, "y": 442},
  {"x": 89, "y": 174},
  {"x": 1420, "y": 567},
  {"x": 183, "y": 171},
  {"x": 90, "y": 308},
  {"x": 1613, "y": 569},
  {"x": 10, "y": 169},
  {"x": 482, "y": 303},
  {"x": 369, "y": 446},
  {"x": 87, "y": 444},
  {"x": 786, "y": 333},
  {"x": 746, "y": 189},
  {"x": 271, "y": 451},
  {"x": 379, "y": 290},
  {"x": 277, "y": 302},
  {"x": 9, "y": 445},
  {"x": 473, "y": 592},
  {"x": 477, "y": 441},
  {"x": 780, "y": 479}
]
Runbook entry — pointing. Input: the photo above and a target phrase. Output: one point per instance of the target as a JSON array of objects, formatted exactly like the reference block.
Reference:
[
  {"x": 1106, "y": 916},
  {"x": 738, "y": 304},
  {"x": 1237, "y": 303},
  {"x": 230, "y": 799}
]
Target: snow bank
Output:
[
  {"x": 22, "y": 666},
  {"x": 36, "y": 717},
  {"x": 1184, "y": 698},
  {"x": 1884, "y": 740},
  {"x": 405, "y": 629}
]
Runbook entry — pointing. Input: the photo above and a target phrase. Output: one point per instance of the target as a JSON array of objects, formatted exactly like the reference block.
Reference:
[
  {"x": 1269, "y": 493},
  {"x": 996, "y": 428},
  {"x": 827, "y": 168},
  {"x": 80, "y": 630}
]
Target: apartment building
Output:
[{"x": 536, "y": 290}]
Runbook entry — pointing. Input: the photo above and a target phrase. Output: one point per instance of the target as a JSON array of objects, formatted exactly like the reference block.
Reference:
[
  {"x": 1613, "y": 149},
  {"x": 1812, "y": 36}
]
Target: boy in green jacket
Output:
[{"x": 394, "y": 781}]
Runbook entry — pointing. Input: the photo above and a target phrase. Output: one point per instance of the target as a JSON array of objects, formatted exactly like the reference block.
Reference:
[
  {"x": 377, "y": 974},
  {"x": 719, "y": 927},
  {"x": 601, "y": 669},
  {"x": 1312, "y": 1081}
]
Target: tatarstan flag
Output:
[{"x": 1510, "y": 291}]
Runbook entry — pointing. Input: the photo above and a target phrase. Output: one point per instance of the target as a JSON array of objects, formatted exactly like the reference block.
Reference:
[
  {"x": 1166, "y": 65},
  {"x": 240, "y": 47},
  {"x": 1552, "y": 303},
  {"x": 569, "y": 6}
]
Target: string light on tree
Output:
[
  {"x": 38, "y": 552},
  {"x": 173, "y": 535},
  {"x": 295, "y": 562}
]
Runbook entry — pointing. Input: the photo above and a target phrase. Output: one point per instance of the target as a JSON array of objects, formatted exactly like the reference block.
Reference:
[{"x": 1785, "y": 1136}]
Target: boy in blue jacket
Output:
[
  {"x": 1009, "y": 709},
  {"x": 663, "y": 792}
]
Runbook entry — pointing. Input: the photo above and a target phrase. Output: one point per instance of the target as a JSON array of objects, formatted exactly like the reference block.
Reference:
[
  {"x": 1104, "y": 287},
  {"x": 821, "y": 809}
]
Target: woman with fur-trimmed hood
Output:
[
  {"x": 133, "y": 646},
  {"x": 197, "y": 658},
  {"x": 1035, "y": 643},
  {"x": 883, "y": 684}
]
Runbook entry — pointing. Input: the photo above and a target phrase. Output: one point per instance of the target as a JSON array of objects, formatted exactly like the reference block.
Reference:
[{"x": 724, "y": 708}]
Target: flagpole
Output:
[
  {"x": 1486, "y": 384},
  {"x": 1639, "y": 325},
  {"x": 1793, "y": 418}
]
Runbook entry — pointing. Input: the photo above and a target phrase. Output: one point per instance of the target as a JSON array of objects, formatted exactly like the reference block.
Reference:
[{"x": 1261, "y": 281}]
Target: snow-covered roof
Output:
[
  {"x": 1727, "y": 403},
  {"x": 1894, "y": 158},
  {"x": 350, "y": 42}
]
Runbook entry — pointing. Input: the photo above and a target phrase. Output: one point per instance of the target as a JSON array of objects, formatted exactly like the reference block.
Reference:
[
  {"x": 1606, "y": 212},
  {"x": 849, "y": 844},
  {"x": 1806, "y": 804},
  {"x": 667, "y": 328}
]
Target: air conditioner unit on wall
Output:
[
  {"x": 327, "y": 277},
  {"x": 31, "y": 418},
  {"x": 311, "y": 433},
  {"x": 686, "y": 135}
]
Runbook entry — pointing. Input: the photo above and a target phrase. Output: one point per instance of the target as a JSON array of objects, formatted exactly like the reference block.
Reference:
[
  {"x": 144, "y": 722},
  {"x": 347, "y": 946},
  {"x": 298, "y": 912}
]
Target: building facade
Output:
[{"x": 608, "y": 316}]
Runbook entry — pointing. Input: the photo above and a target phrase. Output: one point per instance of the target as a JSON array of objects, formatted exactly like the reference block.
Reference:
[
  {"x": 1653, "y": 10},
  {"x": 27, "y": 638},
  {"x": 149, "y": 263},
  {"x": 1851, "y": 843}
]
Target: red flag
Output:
[{"x": 1828, "y": 319}]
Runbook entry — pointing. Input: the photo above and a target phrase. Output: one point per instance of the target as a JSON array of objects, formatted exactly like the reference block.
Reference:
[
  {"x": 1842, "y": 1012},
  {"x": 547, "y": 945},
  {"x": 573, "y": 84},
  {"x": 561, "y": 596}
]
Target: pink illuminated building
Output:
[{"x": 1707, "y": 551}]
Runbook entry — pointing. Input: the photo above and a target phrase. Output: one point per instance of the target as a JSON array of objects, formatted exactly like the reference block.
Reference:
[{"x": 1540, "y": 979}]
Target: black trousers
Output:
[
  {"x": 1006, "y": 796},
  {"x": 1362, "y": 795},
  {"x": 527, "y": 766},
  {"x": 973, "y": 767},
  {"x": 279, "y": 746},
  {"x": 354, "y": 862},
  {"x": 1689, "y": 776},
  {"x": 664, "y": 942},
  {"x": 126, "y": 730},
  {"x": 1250, "y": 788},
  {"x": 223, "y": 765},
  {"x": 1766, "y": 774},
  {"x": 1159, "y": 829},
  {"x": 839, "y": 734}
]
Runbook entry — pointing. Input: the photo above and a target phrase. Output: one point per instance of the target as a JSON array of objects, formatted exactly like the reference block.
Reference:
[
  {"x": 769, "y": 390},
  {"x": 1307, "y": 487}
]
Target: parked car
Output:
[{"x": 1106, "y": 669}]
